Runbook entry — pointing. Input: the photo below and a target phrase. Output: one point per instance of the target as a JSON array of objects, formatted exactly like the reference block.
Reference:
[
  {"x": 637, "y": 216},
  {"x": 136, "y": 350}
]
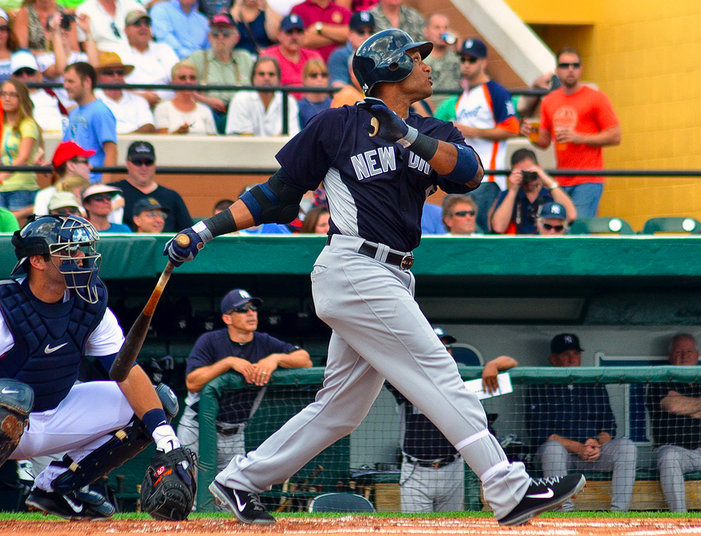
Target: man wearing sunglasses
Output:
[
  {"x": 552, "y": 219},
  {"x": 580, "y": 121},
  {"x": 362, "y": 26},
  {"x": 460, "y": 215},
  {"x": 239, "y": 348}
]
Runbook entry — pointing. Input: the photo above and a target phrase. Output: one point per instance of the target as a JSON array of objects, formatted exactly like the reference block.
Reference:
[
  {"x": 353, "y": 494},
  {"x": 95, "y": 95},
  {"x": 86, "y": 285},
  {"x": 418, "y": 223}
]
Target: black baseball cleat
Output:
[
  {"x": 74, "y": 506},
  {"x": 246, "y": 506},
  {"x": 544, "y": 494}
]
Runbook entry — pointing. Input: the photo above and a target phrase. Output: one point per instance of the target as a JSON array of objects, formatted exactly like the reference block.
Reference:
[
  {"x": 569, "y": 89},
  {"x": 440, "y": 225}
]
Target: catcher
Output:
[{"x": 52, "y": 315}]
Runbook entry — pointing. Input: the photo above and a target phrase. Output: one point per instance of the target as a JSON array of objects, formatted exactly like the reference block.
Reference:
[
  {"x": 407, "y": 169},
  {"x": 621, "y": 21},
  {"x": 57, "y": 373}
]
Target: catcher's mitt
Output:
[{"x": 169, "y": 486}]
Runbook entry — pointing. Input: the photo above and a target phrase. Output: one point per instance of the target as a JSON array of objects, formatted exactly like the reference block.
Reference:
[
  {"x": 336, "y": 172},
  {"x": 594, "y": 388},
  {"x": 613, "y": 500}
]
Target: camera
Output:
[
  {"x": 449, "y": 38},
  {"x": 529, "y": 176},
  {"x": 66, "y": 20}
]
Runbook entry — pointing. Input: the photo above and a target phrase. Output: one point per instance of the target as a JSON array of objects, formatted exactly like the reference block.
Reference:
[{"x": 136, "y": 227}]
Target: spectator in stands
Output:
[
  {"x": 8, "y": 45},
  {"x": 675, "y": 420},
  {"x": 259, "y": 113},
  {"x": 315, "y": 74},
  {"x": 222, "y": 65},
  {"x": 53, "y": 63},
  {"x": 91, "y": 125},
  {"x": 485, "y": 116},
  {"x": 31, "y": 25},
  {"x": 180, "y": 25},
  {"x": 290, "y": 54},
  {"x": 460, "y": 215},
  {"x": 552, "y": 219},
  {"x": 241, "y": 349},
  {"x": 575, "y": 428},
  {"x": 221, "y": 206},
  {"x": 141, "y": 183},
  {"x": 581, "y": 121},
  {"x": 361, "y": 26},
  {"x": 316, "y": 221},
  {"x": 97, "y": 202},
  {"x": 8, "y": 222},
  {"x": 49, "y": 113},
  {"x": 107, "y": 21},
  {"x": 432, "y": 219},
  {"x": 529, "y": 187},
  {"x": 393, "y": 14},
  {"x": 153, "y": 62},
  {"x": 444, "y": 62},
  {"x": 149, "y": 216},
  {"x": 257, "y": 24},
  {"x": 183, "y": 114},
  {"x": 433, "y": 473},
  {"x": 529, "y": 105},
  {"x": 71, "y": 173},
  {"x": 326, "y": 25},
  {"x": 131, "y": 111},
  {"x": 21, "y": 139},
  {"x": 64, "y": 204},
  {"x": 350, "y": 94}
]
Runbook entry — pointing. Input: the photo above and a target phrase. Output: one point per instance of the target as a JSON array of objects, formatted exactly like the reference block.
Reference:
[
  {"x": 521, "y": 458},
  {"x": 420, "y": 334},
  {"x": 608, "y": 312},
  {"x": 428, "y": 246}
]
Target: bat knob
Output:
[
  {"x": 182, "y": 240},
  {"x": 375, "y": 124}
]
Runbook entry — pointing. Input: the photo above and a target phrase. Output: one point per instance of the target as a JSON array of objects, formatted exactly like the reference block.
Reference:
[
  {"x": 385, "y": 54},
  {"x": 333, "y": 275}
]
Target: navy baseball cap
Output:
[
  {"x": 141, "y": 149},
  {"x": 236, "y": 299},
  {"x": 361, "y": 19},
  {"x": 444, "y": 337},
  {"x": 563, "y": 342},
  {"x": 552, "y": 210},
  {"x": 475, "y": 48},
  {"x": 150, "y": 203},
  {"x": 291, "y": 21}
]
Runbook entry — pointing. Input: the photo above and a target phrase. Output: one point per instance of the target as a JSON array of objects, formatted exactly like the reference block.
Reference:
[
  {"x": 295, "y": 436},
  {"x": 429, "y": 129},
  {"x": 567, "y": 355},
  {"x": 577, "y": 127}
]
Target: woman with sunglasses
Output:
[
  {"x": 21, "y": 139},
  {"x": 70, "y": 173},
  {"x": 8, "y": 45},
  {"x": 315, "y": 74},
  {"x": 183, "y": 114}
]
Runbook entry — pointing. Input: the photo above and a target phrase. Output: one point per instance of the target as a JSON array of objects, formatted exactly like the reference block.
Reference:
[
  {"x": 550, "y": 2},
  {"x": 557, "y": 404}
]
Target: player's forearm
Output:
[
  {"x": 457, "y": 163},
  {"x": 570, "y": 446},
  {"x": 504, "y": 362},
  {"x": 200, "y": 377},
  {"x": 297, "y": 359},
  {"x": 139, "y": 391}
]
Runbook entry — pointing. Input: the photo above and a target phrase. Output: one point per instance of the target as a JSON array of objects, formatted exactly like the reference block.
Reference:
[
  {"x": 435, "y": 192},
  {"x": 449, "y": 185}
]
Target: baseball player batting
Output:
[
  {"x": 52, "y": 316},
  {"x": 378, "y": 162}
]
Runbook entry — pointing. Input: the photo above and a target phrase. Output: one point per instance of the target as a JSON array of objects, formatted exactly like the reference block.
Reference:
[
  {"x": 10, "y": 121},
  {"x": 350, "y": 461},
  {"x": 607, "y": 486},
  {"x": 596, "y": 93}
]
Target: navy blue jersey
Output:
[
  {"x": 235, "y": 406},
  {"x": 376, "y": 189},
  {"x": 667, "y": 428}
]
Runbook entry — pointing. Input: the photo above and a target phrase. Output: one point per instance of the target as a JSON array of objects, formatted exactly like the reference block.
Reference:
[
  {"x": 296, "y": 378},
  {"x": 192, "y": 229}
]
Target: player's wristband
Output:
[
  {"x": 420, "y": 144},
  {"x": 219, "y": 224}
]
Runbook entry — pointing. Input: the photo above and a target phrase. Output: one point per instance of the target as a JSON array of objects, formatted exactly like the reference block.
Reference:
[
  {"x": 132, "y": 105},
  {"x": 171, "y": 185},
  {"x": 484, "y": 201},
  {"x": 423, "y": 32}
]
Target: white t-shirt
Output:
[
  {"x": 201, "y": 120},
  {"x": 247, "y": 115},
  {"x": 131, "y": 111},
  {"x": 47, "y": 113},
  {"x": 150, "y": 67},
  {"x": 108, "y": 31}
]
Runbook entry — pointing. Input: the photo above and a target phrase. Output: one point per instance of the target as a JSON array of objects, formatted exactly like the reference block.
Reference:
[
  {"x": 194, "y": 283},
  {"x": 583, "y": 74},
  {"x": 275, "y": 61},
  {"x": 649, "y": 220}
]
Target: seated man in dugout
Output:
[{"x": 675, "y": 419}]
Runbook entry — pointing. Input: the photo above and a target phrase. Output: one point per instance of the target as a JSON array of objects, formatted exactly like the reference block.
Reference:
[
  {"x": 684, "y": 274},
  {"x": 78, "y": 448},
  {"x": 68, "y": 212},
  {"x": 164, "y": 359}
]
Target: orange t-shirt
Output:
[{"x": 589, "y": 111}]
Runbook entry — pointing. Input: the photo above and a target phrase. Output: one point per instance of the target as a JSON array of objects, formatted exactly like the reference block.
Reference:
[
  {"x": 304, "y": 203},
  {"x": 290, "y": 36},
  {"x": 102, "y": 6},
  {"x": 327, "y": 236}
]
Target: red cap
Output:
[{"x": 67, "y": 151}]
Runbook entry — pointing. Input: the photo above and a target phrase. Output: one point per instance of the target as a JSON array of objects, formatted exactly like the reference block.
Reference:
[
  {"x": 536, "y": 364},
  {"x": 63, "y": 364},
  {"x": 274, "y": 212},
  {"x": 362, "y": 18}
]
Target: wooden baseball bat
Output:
[{"x": 134, "y": 340}]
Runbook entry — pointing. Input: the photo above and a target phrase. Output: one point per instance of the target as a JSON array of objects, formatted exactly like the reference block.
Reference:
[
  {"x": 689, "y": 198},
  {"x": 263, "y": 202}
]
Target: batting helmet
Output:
[
  {"x": 62, "y": 238},
  {"x": 383, "y": 58}
]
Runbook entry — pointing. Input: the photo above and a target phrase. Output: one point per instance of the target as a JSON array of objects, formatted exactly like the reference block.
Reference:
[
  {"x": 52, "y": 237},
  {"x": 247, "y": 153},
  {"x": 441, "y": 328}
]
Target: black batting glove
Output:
[
  {"x": 386, "y": 124},
  {"x": 199, "y": 235}
]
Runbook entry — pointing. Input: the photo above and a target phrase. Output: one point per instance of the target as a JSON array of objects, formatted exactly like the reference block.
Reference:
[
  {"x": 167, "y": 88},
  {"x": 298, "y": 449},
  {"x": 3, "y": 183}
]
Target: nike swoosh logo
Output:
[
  {"x": 49, "y": 350},
  {"x": 77, "y": 508},
  {"x": 238, "y": 502},
  {"x": 547, "y": 495},
  {"x": 7, "y": 391}
]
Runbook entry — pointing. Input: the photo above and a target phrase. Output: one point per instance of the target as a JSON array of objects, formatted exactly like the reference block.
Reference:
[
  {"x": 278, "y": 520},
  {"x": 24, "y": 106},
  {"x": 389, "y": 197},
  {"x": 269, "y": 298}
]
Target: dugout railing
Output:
[{"x": 368, "y": 461}]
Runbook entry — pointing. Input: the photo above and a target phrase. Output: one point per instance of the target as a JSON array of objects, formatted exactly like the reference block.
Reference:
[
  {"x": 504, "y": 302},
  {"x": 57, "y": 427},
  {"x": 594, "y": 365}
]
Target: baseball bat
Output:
[{"x": 134, "y": 340}]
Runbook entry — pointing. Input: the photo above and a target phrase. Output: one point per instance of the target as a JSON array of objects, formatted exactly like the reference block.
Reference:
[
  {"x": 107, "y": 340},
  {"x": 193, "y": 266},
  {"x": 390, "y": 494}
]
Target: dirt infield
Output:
[{"x": 361, "y": 525}]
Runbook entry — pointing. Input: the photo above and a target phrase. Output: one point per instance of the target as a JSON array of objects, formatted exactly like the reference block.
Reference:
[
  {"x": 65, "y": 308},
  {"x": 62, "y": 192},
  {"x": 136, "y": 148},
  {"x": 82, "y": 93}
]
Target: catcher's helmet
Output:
[
  {"x": 383, "y": 58},
  {"x": 62, "y": 238}
]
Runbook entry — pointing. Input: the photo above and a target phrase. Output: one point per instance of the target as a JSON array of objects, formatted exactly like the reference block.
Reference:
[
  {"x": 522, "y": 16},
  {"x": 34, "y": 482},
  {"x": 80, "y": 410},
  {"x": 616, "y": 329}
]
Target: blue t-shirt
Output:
[
  {"x": 91, "y": 126},
  {"x": 308, "y": 109},
  {"x": 117, "y": 228},
  {"x": 338, "y": 64},
  {"x": 432, "y": 220}
]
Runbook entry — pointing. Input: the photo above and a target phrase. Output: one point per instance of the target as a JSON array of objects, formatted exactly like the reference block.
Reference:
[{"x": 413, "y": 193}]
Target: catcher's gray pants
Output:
[
  {"x": 429, "y": 489},
  {"x": 228, "y": 446},
  {"x": 618, "y": 456},
  {"x": 672, "y": 463},
  {"x": 378, "y": 332}
]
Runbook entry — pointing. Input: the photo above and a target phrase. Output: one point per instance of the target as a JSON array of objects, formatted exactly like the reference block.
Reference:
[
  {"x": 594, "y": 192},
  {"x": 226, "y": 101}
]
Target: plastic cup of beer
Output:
[{"x": 535, "y": 127}]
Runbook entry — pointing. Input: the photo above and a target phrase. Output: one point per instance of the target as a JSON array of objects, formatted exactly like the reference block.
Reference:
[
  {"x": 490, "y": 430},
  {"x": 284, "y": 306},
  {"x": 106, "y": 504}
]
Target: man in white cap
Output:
[{"x": 97, "y": 201}]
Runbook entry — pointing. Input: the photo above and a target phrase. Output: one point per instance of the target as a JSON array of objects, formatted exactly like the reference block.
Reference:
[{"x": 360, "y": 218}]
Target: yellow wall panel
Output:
[{"x": 550, "y": 12}]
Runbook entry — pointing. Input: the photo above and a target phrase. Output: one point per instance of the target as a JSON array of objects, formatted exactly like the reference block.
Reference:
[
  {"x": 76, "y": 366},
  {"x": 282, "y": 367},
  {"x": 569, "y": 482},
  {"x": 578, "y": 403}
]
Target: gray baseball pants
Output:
[{"x": 672, "y": 463}]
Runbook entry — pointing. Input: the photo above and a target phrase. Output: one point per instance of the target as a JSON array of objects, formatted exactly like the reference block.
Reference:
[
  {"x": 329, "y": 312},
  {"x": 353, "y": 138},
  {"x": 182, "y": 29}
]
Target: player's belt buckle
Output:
[{"x": 407, "y": 262}]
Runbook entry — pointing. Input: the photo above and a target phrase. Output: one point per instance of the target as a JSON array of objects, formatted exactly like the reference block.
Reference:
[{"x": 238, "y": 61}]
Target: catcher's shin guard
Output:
[
  {"x": 16, "y": 402},
  {"x": 121, "y": 447}
]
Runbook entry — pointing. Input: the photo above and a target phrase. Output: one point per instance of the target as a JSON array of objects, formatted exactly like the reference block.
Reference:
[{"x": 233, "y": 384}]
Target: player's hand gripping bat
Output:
[{"x": 137, "y": 334}]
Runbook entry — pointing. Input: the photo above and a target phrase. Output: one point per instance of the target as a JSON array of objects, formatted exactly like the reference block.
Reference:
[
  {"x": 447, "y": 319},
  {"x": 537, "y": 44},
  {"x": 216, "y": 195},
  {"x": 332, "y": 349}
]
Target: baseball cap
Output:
[
  {"x": 563, "y": 342},
  {"x": 237, "y": 298},
  {"x": 222, "y": 19},
  {"x": 134, "y": 16},
  {"x": 474, "y": 47},
  {"x": 110, "y": 60},
  {"x": 63, "y": 199},
  {"x": 552, "y": 210},
  {"x": 360, "y": 19},
  {"x": 292, "y": 21},
  {"x": 68, "y": 150},
  {"x": 149, "y": 203},
  {"x": 444, "y": 337},
  {"x": 3, "y": 14},
  {"x": 141, "y": 149},
  {"x": 99, "y": 188},
  {"x": 23, "y": 59}
]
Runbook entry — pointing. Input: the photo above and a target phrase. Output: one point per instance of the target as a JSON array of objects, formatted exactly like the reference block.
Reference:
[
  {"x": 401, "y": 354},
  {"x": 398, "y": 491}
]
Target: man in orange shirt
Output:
[{"x": 580, "y": 120}]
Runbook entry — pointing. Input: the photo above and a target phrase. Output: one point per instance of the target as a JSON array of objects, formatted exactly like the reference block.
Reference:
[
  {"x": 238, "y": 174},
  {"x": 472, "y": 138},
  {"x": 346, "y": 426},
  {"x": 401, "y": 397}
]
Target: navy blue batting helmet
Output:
[{"x": 383, "y": 58}]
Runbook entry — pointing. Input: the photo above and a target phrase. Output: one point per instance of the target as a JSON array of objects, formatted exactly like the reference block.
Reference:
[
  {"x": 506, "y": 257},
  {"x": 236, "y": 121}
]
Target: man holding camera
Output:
[{"x": 529, "y": 188}]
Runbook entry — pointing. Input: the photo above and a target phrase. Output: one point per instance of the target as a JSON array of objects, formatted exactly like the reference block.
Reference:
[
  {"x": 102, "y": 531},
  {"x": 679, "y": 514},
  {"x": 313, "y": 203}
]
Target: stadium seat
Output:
[
  {"x": 340, "y": 502},
  {"x": 467, "y": 355},
  {"x": 600, "y": 225},
  {"x": 672, "y": 225}
]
